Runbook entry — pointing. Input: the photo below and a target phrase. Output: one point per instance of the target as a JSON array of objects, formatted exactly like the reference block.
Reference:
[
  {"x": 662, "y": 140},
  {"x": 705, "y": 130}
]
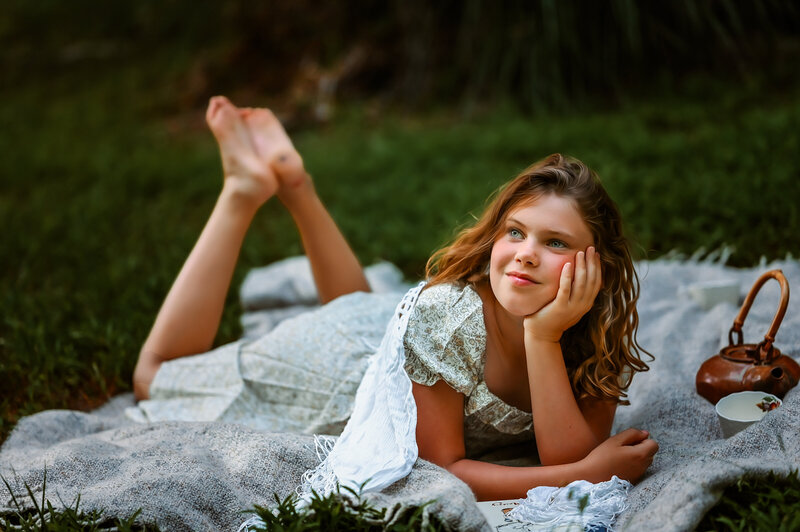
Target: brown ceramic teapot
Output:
[{"x": 759, "y": 367}]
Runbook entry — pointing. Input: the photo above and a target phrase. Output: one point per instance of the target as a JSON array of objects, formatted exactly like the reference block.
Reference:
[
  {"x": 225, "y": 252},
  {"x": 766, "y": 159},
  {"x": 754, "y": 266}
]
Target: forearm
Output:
[
  {"x": 336, "y": 269},
  {"x": 563, "y": 433},
  {"x": 190, "y": 315},
  {"x": 492, "y": 482}
]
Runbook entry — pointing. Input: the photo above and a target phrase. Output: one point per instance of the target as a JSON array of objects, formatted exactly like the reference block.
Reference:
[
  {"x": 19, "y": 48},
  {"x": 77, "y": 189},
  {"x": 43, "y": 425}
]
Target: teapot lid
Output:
[{"x": 750, "y": 353}]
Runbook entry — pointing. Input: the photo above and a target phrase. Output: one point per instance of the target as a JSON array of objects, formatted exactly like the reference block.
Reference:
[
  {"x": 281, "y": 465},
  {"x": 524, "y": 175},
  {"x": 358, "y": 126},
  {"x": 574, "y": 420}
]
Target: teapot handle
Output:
[{"x": 765, "y": 347}]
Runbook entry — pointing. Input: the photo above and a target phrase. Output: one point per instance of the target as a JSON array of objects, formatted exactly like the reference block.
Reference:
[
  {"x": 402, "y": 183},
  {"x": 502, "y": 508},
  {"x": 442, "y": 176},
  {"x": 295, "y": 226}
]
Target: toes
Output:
[
  {"x": 215, "y": 104},
  {"x": 270, "y": 139},
  {"x": 263, "y": 120},
  {"x": 221, "y": 112}
]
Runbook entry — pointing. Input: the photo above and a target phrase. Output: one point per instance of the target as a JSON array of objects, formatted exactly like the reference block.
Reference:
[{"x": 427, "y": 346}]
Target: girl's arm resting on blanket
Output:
[
  {"x": 627, "y": 455},
  {"x": 440, "y": 438}
]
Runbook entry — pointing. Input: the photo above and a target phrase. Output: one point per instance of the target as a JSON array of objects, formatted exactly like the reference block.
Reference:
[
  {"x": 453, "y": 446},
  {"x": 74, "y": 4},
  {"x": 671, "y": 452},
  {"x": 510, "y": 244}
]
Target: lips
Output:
[{"x": 520, "y": 278}]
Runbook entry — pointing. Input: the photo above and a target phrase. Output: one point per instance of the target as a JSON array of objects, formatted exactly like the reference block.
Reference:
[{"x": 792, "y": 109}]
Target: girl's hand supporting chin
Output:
[{"x": 575, "y": 297}]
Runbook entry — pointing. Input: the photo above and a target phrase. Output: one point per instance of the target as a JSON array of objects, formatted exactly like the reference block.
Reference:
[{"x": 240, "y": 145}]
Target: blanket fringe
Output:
[
  {"x": 715, "y": 257},
  {"x": 321, "y": 477},
  {"x": 254, "y": 522}
]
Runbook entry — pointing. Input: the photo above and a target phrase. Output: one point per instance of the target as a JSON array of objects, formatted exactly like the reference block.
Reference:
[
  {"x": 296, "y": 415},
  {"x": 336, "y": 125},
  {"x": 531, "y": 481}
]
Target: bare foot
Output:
[
  {"x": 277, "y": 152},
  {"x": 243, "y": 168}
]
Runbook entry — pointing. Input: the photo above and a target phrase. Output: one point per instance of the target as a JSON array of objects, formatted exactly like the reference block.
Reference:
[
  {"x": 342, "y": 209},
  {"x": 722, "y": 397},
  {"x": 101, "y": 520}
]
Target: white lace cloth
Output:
[
  {"x": 378, "y": 445},
  {"x": 579, "y": 503}
]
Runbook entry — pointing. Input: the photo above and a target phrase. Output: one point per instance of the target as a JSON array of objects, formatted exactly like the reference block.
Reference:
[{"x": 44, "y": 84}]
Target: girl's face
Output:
[{"x": 537, "y": 240}]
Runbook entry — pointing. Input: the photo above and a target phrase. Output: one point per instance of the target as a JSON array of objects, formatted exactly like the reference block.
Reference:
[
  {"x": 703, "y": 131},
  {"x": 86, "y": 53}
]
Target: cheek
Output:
[
  {"x": 556, "y": 265},
  {"x": 495, "y": 262},
  {"x": 500, "y": 254}
]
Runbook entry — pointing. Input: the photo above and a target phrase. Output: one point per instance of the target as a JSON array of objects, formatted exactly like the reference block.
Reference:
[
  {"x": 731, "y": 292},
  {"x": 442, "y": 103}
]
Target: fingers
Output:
[
  {"x": 565, "y": 283},
  {"x": 594, "y": 273},
  {"x": 631, "y": 436},
  {"x": 649, "y": 448},
  {"x": 579, "y": 284},
  {"x": 588, "y": 278},
  {"x": 637, "y": 441}
]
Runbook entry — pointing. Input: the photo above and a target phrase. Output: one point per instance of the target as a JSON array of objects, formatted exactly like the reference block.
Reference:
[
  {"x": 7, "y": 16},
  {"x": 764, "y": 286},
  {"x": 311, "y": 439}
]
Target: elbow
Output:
[
  {"x": 441, "y": 459},
  {"x": 459, "y": 469},
  {"x": 566, "y": 454}
]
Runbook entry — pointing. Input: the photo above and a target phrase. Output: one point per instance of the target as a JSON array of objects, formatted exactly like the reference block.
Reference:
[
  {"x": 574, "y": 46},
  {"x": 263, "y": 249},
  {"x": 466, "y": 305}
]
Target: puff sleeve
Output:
[{"x": 446, "y": 338}]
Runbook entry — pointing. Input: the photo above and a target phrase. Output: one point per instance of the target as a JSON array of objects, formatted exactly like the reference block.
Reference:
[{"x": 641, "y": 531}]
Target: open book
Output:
[{"x": 496, "y": 512}]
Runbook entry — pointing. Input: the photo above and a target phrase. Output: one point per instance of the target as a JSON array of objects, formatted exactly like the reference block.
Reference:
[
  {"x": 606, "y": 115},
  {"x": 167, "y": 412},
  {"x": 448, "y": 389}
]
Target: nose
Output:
[{"x": 527, "y": 254}]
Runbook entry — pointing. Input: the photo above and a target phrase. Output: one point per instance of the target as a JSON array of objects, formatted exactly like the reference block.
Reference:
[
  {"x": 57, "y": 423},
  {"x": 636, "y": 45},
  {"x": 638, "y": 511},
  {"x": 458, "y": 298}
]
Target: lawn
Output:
[{"x": 106, "y": 184}]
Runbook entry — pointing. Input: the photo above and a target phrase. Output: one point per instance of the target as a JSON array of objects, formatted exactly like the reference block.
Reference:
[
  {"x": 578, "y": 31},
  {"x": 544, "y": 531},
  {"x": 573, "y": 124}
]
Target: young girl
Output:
[{"x": 528, "y": 315}]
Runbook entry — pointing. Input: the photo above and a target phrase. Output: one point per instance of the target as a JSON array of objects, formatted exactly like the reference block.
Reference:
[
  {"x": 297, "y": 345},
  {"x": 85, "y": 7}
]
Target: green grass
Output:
[
  {"x": 345, "y": 512},
  {"x": 769, "y": 504},
  {"x": 41, "y": 515}
]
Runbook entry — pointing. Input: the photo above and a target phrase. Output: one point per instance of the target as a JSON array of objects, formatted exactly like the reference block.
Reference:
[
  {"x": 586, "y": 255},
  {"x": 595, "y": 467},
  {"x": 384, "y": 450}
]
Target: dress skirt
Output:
[{"x": 300, "y": 377}]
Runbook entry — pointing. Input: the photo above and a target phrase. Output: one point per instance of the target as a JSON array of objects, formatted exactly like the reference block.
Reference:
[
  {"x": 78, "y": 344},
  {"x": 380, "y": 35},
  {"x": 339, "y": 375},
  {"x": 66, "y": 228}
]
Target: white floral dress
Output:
[{"x": 302, "y": 376}]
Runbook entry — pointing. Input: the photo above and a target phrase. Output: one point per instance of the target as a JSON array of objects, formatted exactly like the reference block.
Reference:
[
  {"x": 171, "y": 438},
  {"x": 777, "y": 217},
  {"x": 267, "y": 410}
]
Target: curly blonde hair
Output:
[{"x": 601, "y": 351}]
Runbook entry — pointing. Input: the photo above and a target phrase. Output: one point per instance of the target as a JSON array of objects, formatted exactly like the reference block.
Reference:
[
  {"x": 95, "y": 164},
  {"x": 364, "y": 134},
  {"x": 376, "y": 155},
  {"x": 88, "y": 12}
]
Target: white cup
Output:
[
  {"x": 710, "y": 293},
  {"x": 739, "y": 410}
]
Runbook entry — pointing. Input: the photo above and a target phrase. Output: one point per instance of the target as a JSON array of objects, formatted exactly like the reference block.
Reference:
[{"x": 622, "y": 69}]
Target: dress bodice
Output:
[{"x": 446, "y": 340}]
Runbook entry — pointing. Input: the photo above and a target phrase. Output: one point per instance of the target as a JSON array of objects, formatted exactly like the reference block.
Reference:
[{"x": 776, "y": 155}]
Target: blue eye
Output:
[
  {"x": 515, "y": 233},
  {"x": 558, "y": 244}
]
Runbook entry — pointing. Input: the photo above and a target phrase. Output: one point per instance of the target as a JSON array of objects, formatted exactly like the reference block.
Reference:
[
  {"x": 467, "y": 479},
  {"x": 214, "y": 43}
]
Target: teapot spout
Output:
[{"x": 770, "y": 379}]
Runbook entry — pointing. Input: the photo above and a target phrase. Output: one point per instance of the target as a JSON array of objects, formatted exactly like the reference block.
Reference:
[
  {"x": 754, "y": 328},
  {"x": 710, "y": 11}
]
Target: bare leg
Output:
[
  {"x": 190, "y": 315},
  {"x": 334, "y": 265}
]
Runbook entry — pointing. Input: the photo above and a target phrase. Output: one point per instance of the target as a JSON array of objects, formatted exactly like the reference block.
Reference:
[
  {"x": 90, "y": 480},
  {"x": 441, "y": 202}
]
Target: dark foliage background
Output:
[{"x": 543, "y": 54}]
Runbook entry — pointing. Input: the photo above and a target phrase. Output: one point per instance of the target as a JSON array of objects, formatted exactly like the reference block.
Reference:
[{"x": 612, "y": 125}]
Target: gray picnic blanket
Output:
[
  {"x": 201, "y": 476},
  {"x": 694, "y": 463}
]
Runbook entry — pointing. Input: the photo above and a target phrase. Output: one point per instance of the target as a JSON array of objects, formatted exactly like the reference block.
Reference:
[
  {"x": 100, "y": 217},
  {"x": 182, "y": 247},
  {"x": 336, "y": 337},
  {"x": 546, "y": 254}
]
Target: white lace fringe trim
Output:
[{"x": 580, "y": 502}]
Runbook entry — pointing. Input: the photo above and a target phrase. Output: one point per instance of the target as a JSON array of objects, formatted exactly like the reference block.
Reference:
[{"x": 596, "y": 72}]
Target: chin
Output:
[{"x": 519, "y": 309}]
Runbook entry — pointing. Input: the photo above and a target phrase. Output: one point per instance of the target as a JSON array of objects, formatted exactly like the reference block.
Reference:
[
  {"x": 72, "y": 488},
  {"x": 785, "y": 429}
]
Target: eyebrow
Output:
[{"x": 550, "y": 232}]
